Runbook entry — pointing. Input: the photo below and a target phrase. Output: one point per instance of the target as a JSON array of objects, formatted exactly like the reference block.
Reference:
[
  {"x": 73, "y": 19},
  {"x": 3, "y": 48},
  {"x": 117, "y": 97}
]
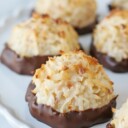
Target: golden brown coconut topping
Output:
[
  {"x": 111, "y": 35},
  {"x": 79, "y": 13},
  {"x": 72, "y": 82},
  {"x": 41, "y": 36}
]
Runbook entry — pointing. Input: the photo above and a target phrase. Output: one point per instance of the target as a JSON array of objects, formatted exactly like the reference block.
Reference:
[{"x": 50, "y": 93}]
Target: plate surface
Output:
[{"x": 13, "y": 86}]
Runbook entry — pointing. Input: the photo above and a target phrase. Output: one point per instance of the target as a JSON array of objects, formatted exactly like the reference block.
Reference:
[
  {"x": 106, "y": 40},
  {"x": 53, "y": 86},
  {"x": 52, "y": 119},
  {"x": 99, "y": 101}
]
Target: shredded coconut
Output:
[
  {"x": 40, "y": 36},
  {"x": 79, "y": 13},
  {"x": 121, "y": 117},
  {"x": 72, "y": 82},
  {"x": 123, "y": 4},
  {"x": 111, "y": 35}
]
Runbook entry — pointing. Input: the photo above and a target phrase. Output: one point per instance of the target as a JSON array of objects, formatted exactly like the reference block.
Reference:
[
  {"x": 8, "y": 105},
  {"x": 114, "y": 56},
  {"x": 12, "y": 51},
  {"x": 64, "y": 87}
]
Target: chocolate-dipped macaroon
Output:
[
  {"x": 81, "y": 14},
  {"x": 32, "y": 42},
  {"x": 110, "y": 41},
  {"x": 71, "y": 91},
  {"x": 119, "y": 4},
  {"x": 120, "y": 119}
]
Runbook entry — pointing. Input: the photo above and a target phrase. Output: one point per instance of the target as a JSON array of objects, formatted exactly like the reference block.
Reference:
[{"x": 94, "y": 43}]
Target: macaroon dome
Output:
[
  {"x": 79, "y": 13},
  {"x": 121, "y": 117},
  {"x": 111, "y": 35},
  {"x": 42, "y": 36},
  {"x": 72, "y": 82},
  {"x": 121, "y": 4}
]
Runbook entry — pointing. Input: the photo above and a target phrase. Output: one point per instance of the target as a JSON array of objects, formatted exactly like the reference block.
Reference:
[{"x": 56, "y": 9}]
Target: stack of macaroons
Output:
[
  {"x": 120, "y": 118},
  {"x": 81, "y": 14},
  {"x": 110, "y": 41},
  {"x": 71, "y": 91},
  {"x": 119, "y": 4},
  {"x": 33, "y": 41}
]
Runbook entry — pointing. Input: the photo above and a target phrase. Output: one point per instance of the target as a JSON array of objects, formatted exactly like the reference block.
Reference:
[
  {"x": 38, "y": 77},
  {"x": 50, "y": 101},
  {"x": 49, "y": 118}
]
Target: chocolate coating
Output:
[
  {"x": 110, "y": 7},
  {"x": 25, "y": 65},
  {"x": 109, "y": 126},
  {"x": 73, "y": 119},
  {"x": 86, "y": 30},
  {"x": 109, "y": 62}
]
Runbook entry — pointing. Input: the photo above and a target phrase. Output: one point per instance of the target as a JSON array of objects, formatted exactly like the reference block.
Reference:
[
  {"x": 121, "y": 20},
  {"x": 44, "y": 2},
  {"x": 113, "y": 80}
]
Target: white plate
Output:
[{"x": 13, "y": 86}]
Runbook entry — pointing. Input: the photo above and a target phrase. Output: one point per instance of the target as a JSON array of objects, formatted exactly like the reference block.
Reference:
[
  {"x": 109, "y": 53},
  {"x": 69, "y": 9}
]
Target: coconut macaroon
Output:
[
  {"x": 41, "y": 36},
  {"x": 110, "y": 41},
  {"x": 72, "y": 87},
  {"x": 119, "y": 4},
  {"x": 79, "y": 13},
  {"x": 120, "y": 118},
  {"x": 34, "y": 40}
]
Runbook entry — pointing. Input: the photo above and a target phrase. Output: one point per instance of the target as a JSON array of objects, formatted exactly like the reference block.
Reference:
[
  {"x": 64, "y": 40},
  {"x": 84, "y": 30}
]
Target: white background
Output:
[{"x": 8, "y": 6}]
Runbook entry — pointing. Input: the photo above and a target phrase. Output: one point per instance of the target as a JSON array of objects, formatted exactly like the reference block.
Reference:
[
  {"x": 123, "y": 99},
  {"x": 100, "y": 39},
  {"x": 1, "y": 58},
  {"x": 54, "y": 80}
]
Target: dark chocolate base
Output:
[
  {"x": 86, "y": 30},
  {"x": 109, "y": 126},
  {"x": 81, "y": 31},
  {"x": 73, "y": 119},
  {"x": 110, "y": 7},
  {"x": 108, "y": 62},
  {"x": 20, "y": 65},
  {"x": 23, "y": 65}
]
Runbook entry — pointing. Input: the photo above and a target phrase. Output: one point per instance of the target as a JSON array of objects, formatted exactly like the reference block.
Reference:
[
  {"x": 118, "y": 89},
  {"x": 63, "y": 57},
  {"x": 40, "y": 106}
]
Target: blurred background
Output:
[{"x": 8, "y": 6}]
